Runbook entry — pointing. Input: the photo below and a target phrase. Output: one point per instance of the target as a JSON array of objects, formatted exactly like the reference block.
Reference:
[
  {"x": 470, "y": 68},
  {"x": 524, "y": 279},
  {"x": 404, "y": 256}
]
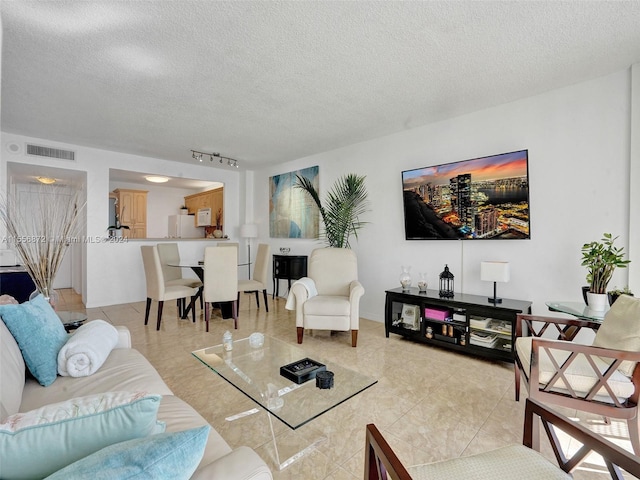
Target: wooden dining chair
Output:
[
  {"x": 602, "y": 378},
  {"x": 220, "y": 280},
  {"x": 156, "y": 287},
  {"x": 258, "y": 282},
  {"x": 521, "y": 461}
]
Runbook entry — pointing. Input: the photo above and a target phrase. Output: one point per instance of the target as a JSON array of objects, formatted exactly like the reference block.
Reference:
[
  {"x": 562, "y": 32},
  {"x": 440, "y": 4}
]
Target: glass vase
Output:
[
  {"x": 422, "y": 283},
  {"x": 405, "y": 278},
  {"x": 49, "y": 294}
]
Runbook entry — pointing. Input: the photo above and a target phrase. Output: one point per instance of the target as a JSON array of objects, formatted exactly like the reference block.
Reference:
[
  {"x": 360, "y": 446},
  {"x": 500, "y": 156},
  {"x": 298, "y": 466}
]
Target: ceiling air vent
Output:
[{"x": 39, "y": 151}]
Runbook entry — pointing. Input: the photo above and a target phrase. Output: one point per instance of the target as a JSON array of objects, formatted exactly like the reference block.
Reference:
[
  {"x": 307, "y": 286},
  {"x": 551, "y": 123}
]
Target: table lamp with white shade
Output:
[
  {"x": 494, "y": 272},
  {"x": 249, "y": 231}
]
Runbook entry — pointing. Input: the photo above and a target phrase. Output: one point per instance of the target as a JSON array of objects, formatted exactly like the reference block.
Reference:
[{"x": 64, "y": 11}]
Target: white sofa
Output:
[{"x": 125, "y": 369}]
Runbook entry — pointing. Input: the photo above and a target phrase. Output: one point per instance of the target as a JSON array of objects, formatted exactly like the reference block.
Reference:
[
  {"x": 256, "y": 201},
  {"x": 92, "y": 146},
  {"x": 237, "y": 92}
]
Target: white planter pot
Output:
[{"x": 597, "y": 301}]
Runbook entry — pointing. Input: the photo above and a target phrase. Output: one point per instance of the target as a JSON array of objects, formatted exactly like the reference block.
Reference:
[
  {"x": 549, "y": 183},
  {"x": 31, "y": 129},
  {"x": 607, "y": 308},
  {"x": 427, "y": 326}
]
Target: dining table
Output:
[{"x": 197, "y": 266}]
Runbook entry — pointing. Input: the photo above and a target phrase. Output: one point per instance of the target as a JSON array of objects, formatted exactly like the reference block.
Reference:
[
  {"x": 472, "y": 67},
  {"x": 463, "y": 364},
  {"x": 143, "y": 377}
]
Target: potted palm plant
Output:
[
  {"x": 601, "y": 259},
  {"x": 343, "y": 206}
]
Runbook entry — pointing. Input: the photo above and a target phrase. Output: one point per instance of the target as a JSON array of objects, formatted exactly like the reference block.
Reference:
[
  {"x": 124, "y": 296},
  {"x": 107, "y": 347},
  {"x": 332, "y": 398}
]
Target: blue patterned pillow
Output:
[
  {"x": 38, "y": 443},
  {"x": 40, "y": 335},
  {"x": 166, "y": 455}
]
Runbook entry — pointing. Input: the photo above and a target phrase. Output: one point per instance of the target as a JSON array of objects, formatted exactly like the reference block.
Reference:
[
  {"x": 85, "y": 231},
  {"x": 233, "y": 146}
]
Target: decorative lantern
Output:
[{"x": 446, "y": 283}]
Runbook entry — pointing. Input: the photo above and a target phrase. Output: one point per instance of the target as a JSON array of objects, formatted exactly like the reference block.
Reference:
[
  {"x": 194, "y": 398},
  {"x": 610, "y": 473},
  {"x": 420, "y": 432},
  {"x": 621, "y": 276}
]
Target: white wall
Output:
[
  {"x": 578, "y": 140},
  {"x": 113, "y": 275},
  {"x": 579, "y": 160}
]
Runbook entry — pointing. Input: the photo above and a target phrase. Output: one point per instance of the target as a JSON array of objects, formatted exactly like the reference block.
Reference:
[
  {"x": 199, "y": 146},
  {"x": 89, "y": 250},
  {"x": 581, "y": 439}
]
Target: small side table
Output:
[
  {"x": 578, "y": 310},
  {"x": 71, "y": 320},
  {"x": 288, "y": 267}
]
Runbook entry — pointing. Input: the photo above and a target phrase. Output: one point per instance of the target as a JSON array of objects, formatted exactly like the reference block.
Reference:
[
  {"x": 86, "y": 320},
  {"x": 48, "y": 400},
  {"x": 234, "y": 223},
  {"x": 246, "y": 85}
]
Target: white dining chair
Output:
[
  {"x": 169, "y": 254},
  {"x": 220, "y": 280},
  {"x": 156, "y": 287},
  {"x": 258, "y": 282}
]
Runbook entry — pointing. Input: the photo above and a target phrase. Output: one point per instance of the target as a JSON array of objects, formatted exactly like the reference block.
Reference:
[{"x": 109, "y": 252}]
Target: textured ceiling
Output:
[{"x": 266, "y": 82}]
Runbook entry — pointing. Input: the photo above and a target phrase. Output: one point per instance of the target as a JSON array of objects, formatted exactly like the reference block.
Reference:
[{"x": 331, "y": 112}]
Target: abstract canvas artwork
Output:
[{"x": 292, "y": 214}]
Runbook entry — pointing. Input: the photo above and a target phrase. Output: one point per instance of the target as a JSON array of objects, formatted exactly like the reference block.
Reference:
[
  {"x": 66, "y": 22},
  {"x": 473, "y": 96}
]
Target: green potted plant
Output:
[
  {"x": 616, "y": 292},
  {"x": 344, "y": 204},
  {"x": 601, "y": 259}
]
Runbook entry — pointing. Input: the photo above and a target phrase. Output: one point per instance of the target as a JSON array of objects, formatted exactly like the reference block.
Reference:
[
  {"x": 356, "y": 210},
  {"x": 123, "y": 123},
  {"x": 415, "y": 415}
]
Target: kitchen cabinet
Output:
[
  {"x": 213, "y": 199},
  {"x": 131, "y": 206}
]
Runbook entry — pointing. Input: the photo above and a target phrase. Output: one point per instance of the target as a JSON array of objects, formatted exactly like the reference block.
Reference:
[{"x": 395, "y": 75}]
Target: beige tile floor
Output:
[{"x": 430, "y": 404}]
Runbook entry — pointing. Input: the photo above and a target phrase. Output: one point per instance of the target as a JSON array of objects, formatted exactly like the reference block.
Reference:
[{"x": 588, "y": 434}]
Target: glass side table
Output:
[
  {"x": 578, "y": 310},
  {"x": 71, "y": 320}
]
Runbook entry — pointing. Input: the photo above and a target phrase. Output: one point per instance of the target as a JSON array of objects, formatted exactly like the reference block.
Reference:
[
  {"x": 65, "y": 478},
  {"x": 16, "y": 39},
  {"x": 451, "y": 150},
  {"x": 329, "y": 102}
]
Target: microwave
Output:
[{"x": 203, "y": 217}]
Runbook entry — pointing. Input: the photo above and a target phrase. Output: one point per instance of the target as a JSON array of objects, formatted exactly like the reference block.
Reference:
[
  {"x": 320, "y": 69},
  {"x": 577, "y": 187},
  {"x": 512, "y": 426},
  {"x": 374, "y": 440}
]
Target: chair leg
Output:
[
  {"x": 634, "y": 433},
  {"x": 207, "y": 307},
  {"x": 257, "y": 299},
  {"x": 354, "y": 338},
  {"x": 193, "y": 308},
  {"x": 146, "y": 313},
  {"x": 516, "y": 372},
  {"x": 266, "y": 304},
  {"x": 300, "y": 331},
  {"x": 160, "y": 305},
  {"x": 234, "y": 314},
  {"x": 238, "y": 300}
]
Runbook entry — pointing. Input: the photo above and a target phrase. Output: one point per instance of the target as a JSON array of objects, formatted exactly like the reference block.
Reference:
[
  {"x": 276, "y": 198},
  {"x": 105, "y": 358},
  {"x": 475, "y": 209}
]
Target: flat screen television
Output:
[{"x": 477, "y": 199}]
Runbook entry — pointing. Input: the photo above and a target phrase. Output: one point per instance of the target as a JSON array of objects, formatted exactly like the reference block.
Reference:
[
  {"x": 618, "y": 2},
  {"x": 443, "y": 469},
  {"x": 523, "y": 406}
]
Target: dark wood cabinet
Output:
[
  {"x": 288, "y": 267},
  {"x": 464, "y": 323}
]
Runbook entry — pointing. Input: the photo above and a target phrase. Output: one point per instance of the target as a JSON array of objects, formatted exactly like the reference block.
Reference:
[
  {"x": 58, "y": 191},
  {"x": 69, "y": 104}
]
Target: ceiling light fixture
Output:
[
  {"x": 156, "y": 179},
  {"x": 46, "y": 180},
  {"x": 232, "y": 162}
]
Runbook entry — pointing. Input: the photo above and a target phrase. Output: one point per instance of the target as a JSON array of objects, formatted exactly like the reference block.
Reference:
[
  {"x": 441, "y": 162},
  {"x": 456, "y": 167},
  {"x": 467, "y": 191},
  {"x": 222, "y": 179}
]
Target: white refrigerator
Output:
[{"x": 183, "y": 226}]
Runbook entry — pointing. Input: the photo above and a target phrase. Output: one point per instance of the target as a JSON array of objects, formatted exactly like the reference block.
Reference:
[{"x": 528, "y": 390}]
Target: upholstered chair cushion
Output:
[
  {"x": 327, "y": 305},
  {"x": 620, "y": 329},
  {"x": 506, "y": 463},
  {"x": 333, "y": 270}
]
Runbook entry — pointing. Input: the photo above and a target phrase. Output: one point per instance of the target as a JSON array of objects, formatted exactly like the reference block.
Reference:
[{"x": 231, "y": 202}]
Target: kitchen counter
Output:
[{"x": 117, "y": 273}]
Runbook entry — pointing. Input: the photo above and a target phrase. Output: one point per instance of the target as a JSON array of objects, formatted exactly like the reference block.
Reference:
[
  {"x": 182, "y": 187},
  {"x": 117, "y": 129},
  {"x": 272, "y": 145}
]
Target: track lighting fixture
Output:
[{"x": 232, "y": 162}]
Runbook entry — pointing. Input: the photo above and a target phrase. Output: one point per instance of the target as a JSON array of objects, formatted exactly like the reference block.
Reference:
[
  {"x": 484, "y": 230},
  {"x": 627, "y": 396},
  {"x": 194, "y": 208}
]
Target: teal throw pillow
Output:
[
  {"x": 173, "y": 455},
  {"x": 40, "y": 442},
  {"x": 40, "y": 335}
]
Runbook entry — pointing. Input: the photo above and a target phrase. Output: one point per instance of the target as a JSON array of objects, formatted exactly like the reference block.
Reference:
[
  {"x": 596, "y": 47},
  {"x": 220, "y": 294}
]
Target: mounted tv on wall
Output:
[{"x": 477, "y": 199}]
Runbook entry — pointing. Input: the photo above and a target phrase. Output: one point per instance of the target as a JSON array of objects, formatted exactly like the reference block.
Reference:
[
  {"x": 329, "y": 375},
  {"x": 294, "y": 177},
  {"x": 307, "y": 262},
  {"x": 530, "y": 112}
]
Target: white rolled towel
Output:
[
  {"x": 87, "y": 349},
  {"x": 309, "y": 284}
]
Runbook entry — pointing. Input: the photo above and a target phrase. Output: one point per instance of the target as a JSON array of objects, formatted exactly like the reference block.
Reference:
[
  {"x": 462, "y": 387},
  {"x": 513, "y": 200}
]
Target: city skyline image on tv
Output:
[{"x": 481, "y": 198}]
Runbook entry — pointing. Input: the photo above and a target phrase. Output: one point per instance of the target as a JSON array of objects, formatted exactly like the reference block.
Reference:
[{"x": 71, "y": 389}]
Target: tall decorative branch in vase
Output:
[
  {"x": 343, "y": 206},
  {"x": 41, "y": 231}
]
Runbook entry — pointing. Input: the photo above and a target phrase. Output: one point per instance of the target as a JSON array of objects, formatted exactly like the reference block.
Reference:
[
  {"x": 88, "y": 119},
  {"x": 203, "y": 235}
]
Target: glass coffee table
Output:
[{"x": 255, "y": 371}]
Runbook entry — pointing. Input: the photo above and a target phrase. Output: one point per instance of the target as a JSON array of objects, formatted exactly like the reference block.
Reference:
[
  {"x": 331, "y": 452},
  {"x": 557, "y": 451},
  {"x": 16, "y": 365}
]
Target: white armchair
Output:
[{"x": 329, "y": 297}]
